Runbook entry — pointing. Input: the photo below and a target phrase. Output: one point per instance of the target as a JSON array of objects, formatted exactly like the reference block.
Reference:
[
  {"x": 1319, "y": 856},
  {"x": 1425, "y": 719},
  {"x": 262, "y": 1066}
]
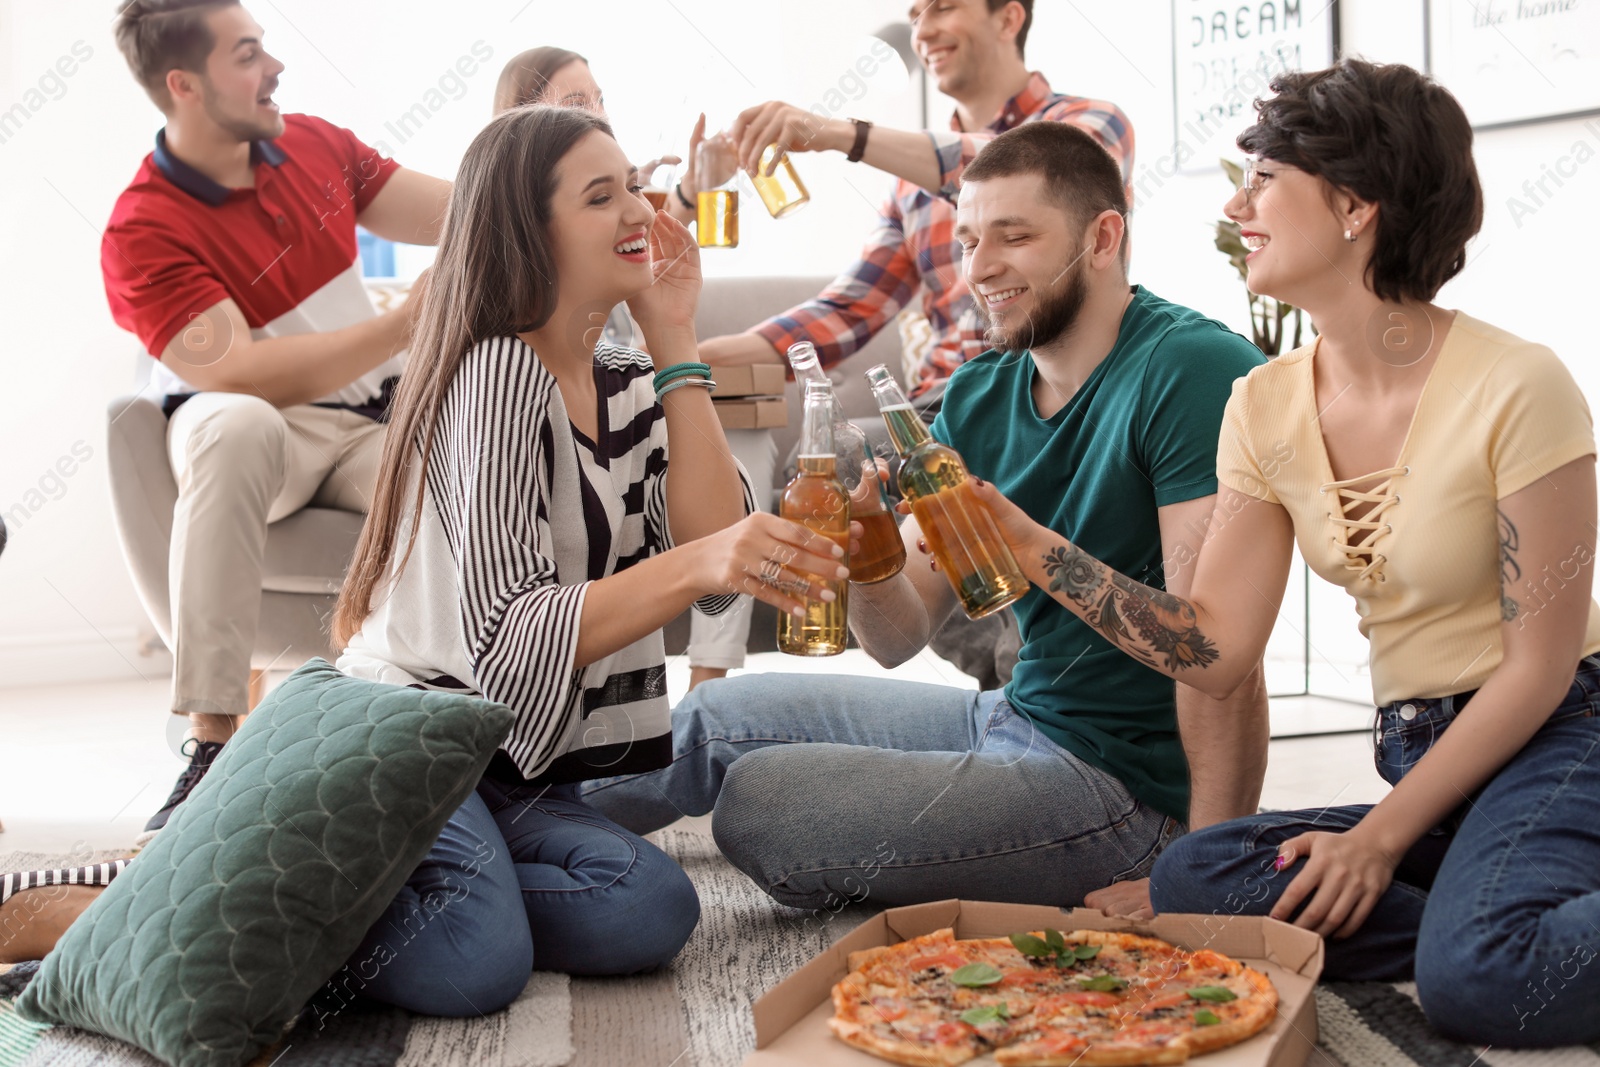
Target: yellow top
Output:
[{"x": 1417, "y": 545}]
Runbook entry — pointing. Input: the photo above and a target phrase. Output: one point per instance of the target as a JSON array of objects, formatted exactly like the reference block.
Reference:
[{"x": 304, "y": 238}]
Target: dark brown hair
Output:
[
  {"x": 157, "y": 36},
  {"x": 1395, "y": 138},
  {"x": 1079, "y": 174},
  {"x": 1027, "y": 20},
  {"x": 495, "y": 276},
  {"x": 527, "y": 75}
]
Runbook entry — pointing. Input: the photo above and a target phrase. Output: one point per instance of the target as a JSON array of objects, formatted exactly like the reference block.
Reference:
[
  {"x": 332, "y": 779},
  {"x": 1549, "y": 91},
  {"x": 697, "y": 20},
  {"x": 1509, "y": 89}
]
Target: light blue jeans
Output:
[
  {"x": 832, "y": 788},
  {"x": 1496, "y": 912}
]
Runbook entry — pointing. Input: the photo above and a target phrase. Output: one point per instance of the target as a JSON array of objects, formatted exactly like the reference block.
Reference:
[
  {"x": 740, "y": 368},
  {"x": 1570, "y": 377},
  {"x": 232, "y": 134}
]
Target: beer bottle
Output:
[
  {"x": 881, "y": 553},
  {"x": 783, "y": 192},
  {"x": 717, "y": 208},
  {"x": 959, "y": 529},
  {"x": 816, "y": 500}
]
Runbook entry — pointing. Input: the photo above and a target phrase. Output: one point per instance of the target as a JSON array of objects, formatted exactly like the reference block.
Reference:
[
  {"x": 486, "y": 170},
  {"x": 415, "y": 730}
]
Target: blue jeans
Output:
[
  {"x": 1496, "y": 912},
  {"x": 521, "y": 877},
  {"x": 835, "y": 788}
]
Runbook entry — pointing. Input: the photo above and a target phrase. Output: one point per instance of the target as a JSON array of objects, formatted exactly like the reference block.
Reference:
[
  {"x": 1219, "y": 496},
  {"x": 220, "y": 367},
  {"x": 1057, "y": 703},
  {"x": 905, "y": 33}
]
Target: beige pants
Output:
[{"x": 242, "y": 464}]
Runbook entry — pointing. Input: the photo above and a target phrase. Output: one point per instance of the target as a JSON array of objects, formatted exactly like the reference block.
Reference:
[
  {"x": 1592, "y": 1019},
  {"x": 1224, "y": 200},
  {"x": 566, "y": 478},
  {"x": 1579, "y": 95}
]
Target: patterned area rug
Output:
[{"x": 696, "y": 1013}]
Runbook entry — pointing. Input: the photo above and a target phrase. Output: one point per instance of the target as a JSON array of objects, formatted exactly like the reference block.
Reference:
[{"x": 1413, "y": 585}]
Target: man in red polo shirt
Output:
[{"x": 232, "y": 256}]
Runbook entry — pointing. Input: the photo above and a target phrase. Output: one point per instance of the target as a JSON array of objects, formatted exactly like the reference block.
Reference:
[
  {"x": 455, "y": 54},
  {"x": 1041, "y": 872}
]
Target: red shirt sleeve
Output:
[
  {"x": 154, "y": 284},
  {"x": 366, "y": 169}
]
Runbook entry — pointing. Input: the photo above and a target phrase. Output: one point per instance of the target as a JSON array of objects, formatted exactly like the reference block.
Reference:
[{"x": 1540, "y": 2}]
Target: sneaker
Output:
[{"x": 201, "y": 757}]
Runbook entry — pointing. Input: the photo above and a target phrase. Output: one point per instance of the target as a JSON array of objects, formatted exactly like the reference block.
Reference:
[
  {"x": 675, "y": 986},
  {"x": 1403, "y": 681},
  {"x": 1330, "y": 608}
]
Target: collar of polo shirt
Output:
[{"x": 198, "y": 185}]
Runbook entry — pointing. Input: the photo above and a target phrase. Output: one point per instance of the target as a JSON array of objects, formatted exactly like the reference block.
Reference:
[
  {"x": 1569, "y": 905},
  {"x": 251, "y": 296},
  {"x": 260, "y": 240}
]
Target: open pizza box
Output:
[{"x": 792, "y": 1019}]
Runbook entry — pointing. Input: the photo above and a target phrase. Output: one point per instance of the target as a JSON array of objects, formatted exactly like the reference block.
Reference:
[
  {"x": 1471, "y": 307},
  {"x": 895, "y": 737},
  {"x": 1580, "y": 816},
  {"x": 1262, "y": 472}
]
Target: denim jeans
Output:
[
  {"x": 1496, "y": 912},
  {"x": 828, "y": 788},
  {"x": 522, "y": 878}
]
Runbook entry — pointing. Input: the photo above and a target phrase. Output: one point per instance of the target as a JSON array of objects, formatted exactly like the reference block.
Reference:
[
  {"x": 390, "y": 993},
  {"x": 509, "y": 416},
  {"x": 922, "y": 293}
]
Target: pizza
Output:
[{"x": 1047, "y": 999}]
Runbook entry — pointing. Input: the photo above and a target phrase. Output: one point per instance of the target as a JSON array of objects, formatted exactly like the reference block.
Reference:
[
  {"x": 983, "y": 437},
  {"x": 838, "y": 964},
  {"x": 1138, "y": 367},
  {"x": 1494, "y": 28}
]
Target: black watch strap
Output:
[{"x": 860, "y": 147}]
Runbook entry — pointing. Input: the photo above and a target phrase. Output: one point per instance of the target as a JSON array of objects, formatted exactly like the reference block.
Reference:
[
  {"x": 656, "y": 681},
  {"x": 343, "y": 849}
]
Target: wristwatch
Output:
[{"x": 860, "y": 146}]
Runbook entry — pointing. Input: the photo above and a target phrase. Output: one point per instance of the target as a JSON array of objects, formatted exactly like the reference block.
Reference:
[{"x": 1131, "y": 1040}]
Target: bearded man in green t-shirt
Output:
[{"x": 1097, "y": 411}]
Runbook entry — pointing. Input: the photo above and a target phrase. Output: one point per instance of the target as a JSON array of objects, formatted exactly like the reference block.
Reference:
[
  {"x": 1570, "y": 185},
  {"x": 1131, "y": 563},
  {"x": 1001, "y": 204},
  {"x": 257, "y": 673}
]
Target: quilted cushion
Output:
[{"x": 266, "y": 879}]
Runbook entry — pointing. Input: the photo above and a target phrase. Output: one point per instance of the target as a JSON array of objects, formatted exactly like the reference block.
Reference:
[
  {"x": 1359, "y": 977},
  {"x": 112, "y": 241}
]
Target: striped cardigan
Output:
[{"x": 520, "y": 513}]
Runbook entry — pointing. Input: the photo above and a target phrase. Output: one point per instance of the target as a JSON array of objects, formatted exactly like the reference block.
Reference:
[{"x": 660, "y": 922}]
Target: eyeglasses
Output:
[{"x": 1256, "y": 174}]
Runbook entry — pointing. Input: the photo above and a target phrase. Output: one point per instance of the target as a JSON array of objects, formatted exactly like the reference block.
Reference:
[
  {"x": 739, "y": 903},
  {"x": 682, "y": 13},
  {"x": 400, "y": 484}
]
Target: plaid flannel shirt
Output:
[{"x": 913, "y": 246}]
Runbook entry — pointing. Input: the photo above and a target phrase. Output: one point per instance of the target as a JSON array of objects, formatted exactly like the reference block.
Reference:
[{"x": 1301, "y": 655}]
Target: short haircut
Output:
[
  {"x": 1027, "y": 20},
  {"x": 157, "y": 36},
  {"x": 1079, "y": 174},
  {"x": 527, "y": 75},
  {"x": 1395, "y": 138}
]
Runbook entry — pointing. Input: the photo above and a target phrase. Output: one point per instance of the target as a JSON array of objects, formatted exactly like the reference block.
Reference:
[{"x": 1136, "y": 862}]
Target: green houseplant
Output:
[{"x": 1268, "y": 317}]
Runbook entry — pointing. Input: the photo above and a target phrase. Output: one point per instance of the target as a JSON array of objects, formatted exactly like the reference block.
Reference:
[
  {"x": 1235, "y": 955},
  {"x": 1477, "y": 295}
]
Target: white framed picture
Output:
[
  {"x": 1516, "y": 61},
  {"x": 1225, "y": 54}
]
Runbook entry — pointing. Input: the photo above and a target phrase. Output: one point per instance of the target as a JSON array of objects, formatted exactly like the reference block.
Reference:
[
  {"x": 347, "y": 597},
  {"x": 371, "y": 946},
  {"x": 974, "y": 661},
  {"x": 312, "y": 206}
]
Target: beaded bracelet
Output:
[
  {"x": 670, "y": 386},
  {"x": 680, "y": 370}
]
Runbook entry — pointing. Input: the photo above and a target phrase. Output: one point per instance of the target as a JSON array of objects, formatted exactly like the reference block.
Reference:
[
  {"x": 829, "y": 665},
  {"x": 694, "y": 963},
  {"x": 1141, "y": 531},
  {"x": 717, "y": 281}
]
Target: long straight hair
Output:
[{"x": 495, "y": 276}]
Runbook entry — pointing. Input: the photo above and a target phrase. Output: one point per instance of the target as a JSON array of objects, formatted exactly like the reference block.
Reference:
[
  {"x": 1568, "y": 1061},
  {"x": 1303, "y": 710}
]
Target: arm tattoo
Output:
[
  {"x": 1510, "y": 569},
  {"x": 1151, "y": 625}
]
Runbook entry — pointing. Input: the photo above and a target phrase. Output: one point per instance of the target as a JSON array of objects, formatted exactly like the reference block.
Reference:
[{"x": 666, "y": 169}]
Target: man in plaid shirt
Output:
[{"x": 974, "y": 49}]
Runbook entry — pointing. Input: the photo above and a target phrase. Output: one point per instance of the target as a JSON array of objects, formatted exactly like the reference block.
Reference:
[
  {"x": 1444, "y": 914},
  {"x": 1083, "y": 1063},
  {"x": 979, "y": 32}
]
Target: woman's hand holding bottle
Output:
[{"x": 771, "y": 559}]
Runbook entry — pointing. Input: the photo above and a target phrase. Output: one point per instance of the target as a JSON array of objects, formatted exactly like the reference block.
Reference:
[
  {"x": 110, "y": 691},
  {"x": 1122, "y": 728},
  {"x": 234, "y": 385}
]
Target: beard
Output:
[
  {"x": 245, "y": 130},
  {"x": 1056, "y": 312}
]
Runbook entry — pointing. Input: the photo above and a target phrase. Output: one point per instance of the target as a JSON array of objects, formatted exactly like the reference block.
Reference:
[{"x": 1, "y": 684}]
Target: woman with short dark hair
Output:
[{"x": 1442, "y": 472}]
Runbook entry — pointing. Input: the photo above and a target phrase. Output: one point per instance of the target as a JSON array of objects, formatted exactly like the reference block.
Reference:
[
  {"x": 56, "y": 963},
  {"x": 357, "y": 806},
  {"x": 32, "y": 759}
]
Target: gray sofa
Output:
[{"x": 308, "y": 552}]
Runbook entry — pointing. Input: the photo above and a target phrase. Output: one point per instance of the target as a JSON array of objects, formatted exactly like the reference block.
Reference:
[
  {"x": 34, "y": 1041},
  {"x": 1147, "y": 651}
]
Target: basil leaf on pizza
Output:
[
  {"x": 989, "y": 1013},
  {"x": 1104, "y": 983},
  {"x": 1029, "y": 945},
  {"x": 1206, "y": 1017},
  {"x": 976, "y": 974},
  {"x": 1215, "y": 994}
]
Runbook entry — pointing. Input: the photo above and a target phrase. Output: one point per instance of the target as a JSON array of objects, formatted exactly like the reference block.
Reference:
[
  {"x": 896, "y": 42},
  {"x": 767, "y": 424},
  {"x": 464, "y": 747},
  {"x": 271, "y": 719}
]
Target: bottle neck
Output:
[
  {"x": 816, "y": 428},
  {"x": 906, "y": 428}
]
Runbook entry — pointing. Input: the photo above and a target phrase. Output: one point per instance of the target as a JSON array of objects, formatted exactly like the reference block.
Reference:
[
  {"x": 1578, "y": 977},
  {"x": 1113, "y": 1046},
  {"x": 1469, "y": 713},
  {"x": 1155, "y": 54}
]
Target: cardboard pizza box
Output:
[
  {"x": 754, "y": 379},
  {"x": 792, "y": 1019},
  {"x": 752, "y": 413}
]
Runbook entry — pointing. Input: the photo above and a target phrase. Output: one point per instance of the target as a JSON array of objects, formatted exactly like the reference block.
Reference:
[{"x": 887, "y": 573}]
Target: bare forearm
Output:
[
  {"x": 1166, "y": 633},
  {"x": 907, "y": 154},
  {"x": 704, "y": 493},
  {"x": 285, "y": 371},
  {"x": 1226, "y": 744},
  {"x": 737, "y": 350},
  {"x": 624, "y": 607}
]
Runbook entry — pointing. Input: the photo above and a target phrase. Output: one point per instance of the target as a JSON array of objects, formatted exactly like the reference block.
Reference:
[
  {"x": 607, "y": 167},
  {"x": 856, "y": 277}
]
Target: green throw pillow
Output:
[{"x": 266, "y": 879}]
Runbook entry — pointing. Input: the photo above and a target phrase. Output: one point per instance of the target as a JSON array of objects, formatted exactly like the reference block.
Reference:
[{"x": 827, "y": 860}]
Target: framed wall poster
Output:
[
  {"x": 1224, "y": 54},
  {"x": 1515, "y": 61}
]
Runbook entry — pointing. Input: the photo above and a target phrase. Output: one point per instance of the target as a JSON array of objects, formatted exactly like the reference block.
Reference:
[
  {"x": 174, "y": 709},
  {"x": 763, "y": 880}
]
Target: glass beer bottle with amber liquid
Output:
[
  {"x": 959, "y": 528},
  {"x": 881, "y": 553},
  {"x": 717, "y": 208},
  {"x": 817, "y": 500}
]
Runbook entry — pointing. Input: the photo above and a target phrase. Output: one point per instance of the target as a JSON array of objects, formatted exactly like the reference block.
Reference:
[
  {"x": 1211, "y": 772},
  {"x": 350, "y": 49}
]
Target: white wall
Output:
[{"x": 70, "y": 607}]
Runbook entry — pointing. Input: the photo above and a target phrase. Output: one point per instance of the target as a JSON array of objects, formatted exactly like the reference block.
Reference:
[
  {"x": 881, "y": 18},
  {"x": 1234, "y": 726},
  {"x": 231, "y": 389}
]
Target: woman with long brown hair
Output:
[
  {"x": 561, "y": 77},
  {"x": 528, "y": 540}
]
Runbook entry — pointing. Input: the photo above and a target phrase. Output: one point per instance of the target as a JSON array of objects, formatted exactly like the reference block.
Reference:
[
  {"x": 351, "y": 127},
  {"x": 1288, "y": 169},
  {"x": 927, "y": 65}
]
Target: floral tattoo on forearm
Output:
[{"x": 1151, "y": 625}]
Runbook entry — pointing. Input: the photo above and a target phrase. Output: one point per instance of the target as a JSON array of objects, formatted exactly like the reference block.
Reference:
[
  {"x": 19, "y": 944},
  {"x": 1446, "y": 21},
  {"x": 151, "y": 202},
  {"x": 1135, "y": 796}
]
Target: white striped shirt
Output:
[{"x": 520, "y": 513}]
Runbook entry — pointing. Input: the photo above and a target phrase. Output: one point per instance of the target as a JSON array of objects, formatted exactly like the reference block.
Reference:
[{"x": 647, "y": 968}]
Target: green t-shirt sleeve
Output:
[{"x": 1187, "y": 384}]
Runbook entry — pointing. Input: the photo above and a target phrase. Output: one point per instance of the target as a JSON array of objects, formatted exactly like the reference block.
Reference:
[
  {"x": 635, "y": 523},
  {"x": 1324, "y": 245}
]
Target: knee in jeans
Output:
[
  {"x": 658, "y": 930},
  {"x": 745, "y": 821},
  {"x": 1474, "y": 993},
  {"x": 1200, "y": 873}
]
